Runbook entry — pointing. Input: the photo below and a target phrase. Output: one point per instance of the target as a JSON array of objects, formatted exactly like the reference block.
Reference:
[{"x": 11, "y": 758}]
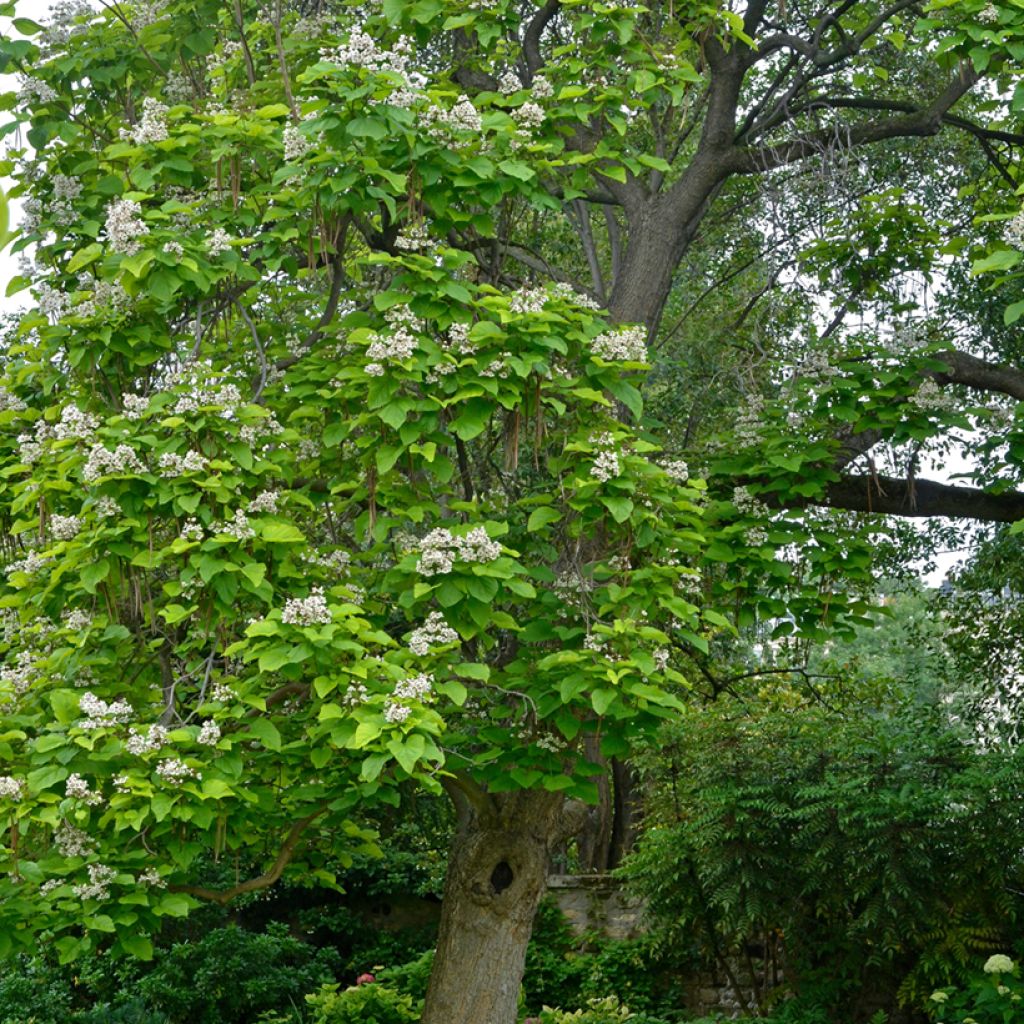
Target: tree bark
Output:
[{"x": 497, "y": 875}]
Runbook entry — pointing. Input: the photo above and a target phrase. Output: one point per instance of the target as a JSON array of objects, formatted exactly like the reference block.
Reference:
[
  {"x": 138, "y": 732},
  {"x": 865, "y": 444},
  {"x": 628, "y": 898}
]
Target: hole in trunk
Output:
[{"x": 501, "y": 876}]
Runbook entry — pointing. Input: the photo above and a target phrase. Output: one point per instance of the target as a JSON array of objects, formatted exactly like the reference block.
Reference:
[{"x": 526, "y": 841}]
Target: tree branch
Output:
[
  {"x": 916, "y": 499},
  {"x": 264, "y": 881}
]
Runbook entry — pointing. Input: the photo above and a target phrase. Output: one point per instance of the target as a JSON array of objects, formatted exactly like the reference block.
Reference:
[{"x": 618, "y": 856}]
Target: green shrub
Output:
[
  {"x": 994, "y": 997},
  {"x": 135, "y": 1011},
  {"x": 361, "y": 1004},
  {"x": 598, "y": 1011},
  {"x": 411, "y": 978},
  {"x": 33, "y": 990},
  {"x": 231, "y": 975}
]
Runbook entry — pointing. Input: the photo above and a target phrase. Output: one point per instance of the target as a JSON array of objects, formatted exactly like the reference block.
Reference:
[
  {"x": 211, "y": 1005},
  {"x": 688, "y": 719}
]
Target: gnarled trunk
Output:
[{"x": 497, "y": 875}]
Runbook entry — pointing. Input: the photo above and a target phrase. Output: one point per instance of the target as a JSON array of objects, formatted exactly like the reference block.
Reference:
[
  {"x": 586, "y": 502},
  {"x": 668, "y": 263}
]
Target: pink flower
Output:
[{"x": 365, "y": 979}]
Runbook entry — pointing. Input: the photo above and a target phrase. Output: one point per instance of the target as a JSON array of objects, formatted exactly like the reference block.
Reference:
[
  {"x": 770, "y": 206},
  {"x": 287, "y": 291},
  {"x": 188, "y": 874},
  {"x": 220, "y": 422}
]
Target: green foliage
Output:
[
  {"x": 878, "y": 845},
  {"x": 994, "y": 996},
  {"x": 606, "y": 1010},
  {"x": 229, "y": 975},
  {"x": 370, "y": 1003}
]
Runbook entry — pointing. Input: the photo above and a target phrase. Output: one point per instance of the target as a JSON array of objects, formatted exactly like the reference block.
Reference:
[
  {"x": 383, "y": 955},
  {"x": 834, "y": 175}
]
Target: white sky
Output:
[{"x": 38, "y": 10}]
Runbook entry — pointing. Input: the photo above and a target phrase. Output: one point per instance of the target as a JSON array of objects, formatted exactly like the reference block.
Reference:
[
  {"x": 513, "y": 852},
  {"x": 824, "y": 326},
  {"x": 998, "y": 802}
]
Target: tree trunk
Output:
[{"x": 497, "y": 875}]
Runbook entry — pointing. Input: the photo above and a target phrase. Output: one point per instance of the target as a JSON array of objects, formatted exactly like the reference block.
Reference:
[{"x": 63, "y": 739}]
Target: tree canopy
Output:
[{"x": 413, "y": 391}]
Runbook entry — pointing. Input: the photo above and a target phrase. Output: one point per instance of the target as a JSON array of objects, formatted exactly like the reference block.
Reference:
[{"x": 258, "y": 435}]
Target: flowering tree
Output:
[{"x": 320, "y": 475}]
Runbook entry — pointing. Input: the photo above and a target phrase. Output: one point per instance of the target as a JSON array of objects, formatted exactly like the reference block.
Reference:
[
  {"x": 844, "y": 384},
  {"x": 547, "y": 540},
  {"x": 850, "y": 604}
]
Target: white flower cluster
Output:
[
  {"x": 72, "y": 842},
  {"x": 174, "y": 248},
  {"x": 34, "y": 90},
  {"x": 218, "y": 242},
  {"x": 307, "y": 611},
  {"x": 661, "y": 658},
  {"x": 509, "y": 83},
  {"x": 53, "y": 302},
  {"x": 65, "y": 527},
  {"x": 355, "y": 694},
  {"x": 147, "y": 742},
  {"x": 237, "y": 527},
  {"x": 11, "y": 788},
  {"x": 593, "y": 642},
  {"x": 67, "y": 17},
  {"x": 1015, "y": 231},
  {"x": 226, "y": 396},
  {"x": 17, "y": 677},
  {"x": 607, "y": 463},
  {"x": 172, "y": 464},
  {"x": 989, "y": 14},
  {"x": 529, "y": 116},
  {"x": 441, "y": 549},
  {"x": 133, "y": 407},
  {"x": 30, "y": 564},
  {"x": 931, "y": 398},
  {"x": 747, "y": 504},
  {"x": 296, "y": 145},
  {"x": 151, "y": 877},
  {"x": 265, "y": 501},
  {"x": 106, "y": 298},
  {"x": 458, "y": 340},
  {"x": 395, "y": 714},
  {"x": 398, "y": 344},
  {"x": 98, "y": 886},
  {"x": 209, "y": 734},
  {"x": 152, "y": 127},
  {"x": 677, "y": 470},
  {"x": 414, "y": 238},
  {"x": 78, "y": 620},
  {"x": 562, "y": 290},
  {"x": 435, "y": 632},
  {"x": 628, "y": 344},
  {"x": 552, "y": 744},
  {"x": 816, "y": 366},
  {"x": 107, "y": 508},
  {"x": 415, "y": 687},
  {"x": 528, "y": 300},
  {"x": 749, "y": 424},
  {"x": 103, "y": 462},
  {"x": 99, "y": 714},
  {"x": 441, "y": 124},
  {"x": 10, "y": 403},
  {"x": 541, "y": 88},
  {"x": 998, "y": 963},
  {"x": 78, "y": 789},
  {"x": 175, "y": 771},
  {"x": 75, "y": 425},
  {"x": 125, "y": 226}
]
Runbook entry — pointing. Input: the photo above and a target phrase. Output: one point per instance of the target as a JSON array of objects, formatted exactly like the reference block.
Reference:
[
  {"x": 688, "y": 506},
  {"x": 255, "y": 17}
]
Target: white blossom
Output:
[
  {"x": 71, "y": 841},
  {"x": 65, "y": 527},
  {"x": 435, "y": 632},
  {"x": 209, "y": 734},
  {"x": 677, "y": 470},
  {"x": 78, "y": 789},
  {"x": 11, "y": 788},
  {"x": 152, "y": 127},
  {"x": 627, "y": 344},
  {"x": 307, "y": 611},
  {"x": 607, "y": 464},
  {"x": 133, "y": 407},
  {"x": 509, "y": 83},
  {"x": 139, "y": 743},
  {"x": 125, "y": 226},
  {"x": 34, "y": 90},
  {"x": 1015, "y": 231},
  {"x": 237, "y": 527},
  {"x": 296, "y": 145},
  {"x": 265, "y": 501},
  {"x": 529, "y": 116},
  {"x": 172, "y": 464},
  {"x": 175, "y": 771},
  {"x": 99, "y": 714},
  {"x": 415, "y": 687},
  {"x": 396, "y": 713},
  {"x": 931, "y": 398},
  {"x": 75, "y": 425},
  {"x": 174, "y": 248},
  {"x": 218, "y": 242},
  {"x": 103, "y": 462},
  {"x": 440, "y": 549},
  {"x": 542, "y": 88},
  {"x": 98, "y": 886}
]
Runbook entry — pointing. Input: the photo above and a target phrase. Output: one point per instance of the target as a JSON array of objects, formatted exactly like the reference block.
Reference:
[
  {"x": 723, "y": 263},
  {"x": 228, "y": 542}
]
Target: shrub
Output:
[
  {"x": 598, "y": 1011},
  {"x": 361, "y": 1004},
  {"x": 231, "y": 975}
]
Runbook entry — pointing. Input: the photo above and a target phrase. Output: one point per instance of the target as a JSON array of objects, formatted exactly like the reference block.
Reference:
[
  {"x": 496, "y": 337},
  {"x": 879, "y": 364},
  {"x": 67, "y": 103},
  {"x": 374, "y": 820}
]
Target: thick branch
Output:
[
  {"x": 924, "y": 122},
  {"x": 981, "y": 375},
  {"x": 918, "y": 498},
  {"x": 531, "y": 38},
  {"x": 264, "y": 881}
]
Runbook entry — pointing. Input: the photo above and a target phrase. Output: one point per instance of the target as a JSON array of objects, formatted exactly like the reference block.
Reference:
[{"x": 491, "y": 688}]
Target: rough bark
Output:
[{"x": 497, "y": 875}]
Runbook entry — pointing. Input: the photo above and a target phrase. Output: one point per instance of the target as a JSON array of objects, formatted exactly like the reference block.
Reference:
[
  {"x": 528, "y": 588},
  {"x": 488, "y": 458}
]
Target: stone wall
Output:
[{"x": 596, "y": 903}]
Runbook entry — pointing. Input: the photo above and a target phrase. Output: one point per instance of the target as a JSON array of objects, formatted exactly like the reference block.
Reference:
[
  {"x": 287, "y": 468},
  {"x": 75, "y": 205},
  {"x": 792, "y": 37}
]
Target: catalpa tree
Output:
[{"x": 322, "y": 477}]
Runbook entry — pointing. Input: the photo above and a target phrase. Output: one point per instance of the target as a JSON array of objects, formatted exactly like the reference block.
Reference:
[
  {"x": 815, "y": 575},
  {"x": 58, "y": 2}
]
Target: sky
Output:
[{"x": 38, "y": 10}]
